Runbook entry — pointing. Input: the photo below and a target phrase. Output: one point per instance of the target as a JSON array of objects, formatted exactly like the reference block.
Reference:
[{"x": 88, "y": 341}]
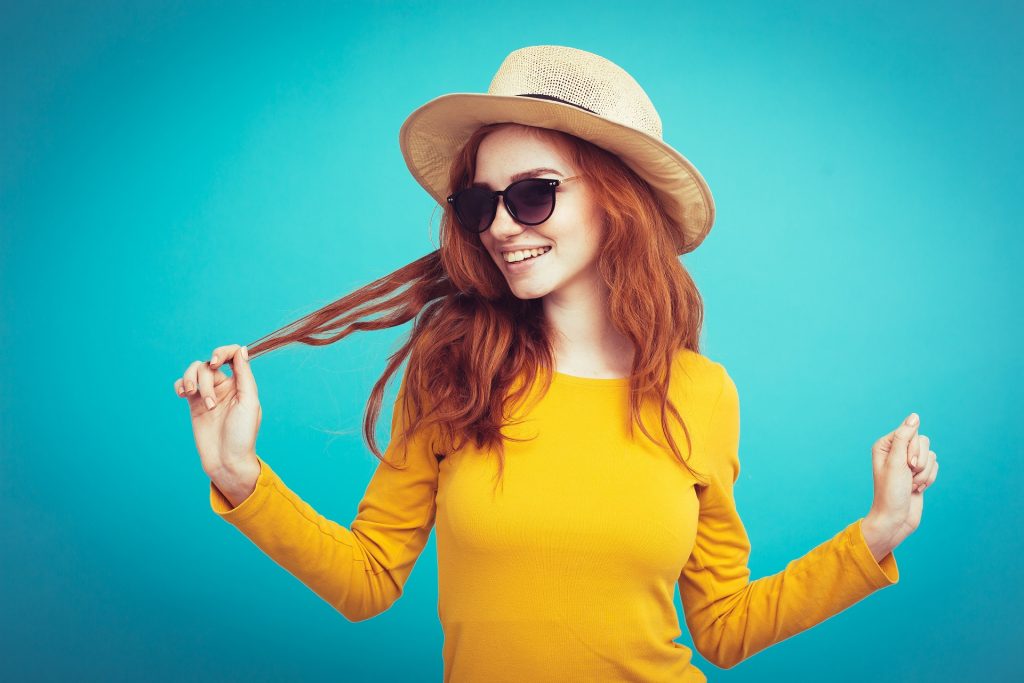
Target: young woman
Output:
[{"x": 556, "y": 422}]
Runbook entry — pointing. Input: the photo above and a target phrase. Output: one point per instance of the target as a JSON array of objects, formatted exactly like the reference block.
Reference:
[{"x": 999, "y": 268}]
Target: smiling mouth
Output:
[{"x": 529, "y": 255}]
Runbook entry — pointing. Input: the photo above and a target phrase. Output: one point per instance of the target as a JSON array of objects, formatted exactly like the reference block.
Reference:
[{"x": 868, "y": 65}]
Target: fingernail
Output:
[
  {"x": 245, "y": 352},
  {"x": 913, "y": 461},
  {"x": 213, "y": 360},
  {"x": 210, "y": 403},
  {"x": 912, "y": 420}
]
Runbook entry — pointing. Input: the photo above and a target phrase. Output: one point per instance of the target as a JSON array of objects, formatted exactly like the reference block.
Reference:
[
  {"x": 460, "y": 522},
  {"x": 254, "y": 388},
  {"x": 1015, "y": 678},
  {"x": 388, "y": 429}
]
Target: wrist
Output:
[
  {"x": 238, "y": 482},
  {"x": 878, "y": 536}
]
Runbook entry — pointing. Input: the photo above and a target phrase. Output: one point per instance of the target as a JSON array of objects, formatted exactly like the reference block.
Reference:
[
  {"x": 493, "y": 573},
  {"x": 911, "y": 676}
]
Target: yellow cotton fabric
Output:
[{"x": 567, "y": 572}]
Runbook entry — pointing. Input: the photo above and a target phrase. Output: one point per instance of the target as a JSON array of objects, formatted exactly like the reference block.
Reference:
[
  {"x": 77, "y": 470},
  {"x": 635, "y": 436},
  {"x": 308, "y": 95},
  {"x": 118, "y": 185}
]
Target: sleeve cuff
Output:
[
  {"x": 252, "y": 504},
  {"x": 881, "y": 573}
]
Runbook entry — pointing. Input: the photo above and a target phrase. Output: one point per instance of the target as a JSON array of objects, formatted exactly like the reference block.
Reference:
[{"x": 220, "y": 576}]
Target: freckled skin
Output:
[{"x": 574, "y": 231}]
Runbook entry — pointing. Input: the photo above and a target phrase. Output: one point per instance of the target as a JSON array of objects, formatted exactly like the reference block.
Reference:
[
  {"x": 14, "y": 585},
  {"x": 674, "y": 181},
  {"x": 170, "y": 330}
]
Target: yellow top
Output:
[{"x": 568, "y": 572}]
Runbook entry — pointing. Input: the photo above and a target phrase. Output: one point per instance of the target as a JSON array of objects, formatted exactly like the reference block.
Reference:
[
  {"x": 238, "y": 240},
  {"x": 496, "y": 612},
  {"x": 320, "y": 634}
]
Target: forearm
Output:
[
  {"x": 358, "y": 571},
  {"x": 732, "y": 618}
]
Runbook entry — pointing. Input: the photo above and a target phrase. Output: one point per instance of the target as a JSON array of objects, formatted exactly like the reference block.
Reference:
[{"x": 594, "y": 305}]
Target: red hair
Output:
[{"x": 472, "y": 339}]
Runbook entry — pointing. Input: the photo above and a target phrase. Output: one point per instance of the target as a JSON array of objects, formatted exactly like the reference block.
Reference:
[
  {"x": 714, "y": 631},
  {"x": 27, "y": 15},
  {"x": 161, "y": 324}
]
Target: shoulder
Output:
[
  {"x": 705, "y": 386},
  {"x": 701, "y": 371},
  {"x": 713, "y": 402}
]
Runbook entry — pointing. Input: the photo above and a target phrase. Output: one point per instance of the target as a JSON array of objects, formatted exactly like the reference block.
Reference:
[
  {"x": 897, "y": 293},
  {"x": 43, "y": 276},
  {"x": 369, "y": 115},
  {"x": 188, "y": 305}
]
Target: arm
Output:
[
  {"x": 731, "y": 617},
  {"x": 360, "y": 570}
]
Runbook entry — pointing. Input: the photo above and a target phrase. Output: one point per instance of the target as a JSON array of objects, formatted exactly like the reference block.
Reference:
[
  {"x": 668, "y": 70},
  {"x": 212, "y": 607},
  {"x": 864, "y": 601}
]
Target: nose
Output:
[{"x": 504, "y": 225}]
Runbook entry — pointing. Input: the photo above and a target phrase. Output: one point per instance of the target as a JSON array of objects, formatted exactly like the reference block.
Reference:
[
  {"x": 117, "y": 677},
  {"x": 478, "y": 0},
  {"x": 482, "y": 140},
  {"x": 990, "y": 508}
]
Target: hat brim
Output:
[{"x": 433, "y": 133}]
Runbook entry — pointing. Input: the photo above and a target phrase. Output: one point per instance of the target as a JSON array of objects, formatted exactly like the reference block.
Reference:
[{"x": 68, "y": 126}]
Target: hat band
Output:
[{"x": 555, "y": 99}]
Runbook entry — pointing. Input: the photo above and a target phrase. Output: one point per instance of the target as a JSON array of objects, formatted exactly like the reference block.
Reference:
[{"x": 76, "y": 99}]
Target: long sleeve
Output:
[
  {"x": 360, "y": 571},
  {"x": 732, "y": 618}
]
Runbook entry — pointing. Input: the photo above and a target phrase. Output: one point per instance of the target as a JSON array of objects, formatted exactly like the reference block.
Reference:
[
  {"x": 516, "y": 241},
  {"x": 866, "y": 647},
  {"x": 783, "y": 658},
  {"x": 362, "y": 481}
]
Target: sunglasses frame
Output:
[{"x": 552, "y": 182}]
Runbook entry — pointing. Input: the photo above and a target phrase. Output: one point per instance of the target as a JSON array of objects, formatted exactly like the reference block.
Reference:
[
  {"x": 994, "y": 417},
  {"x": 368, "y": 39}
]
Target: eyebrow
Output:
[{"x": 523, "y": 174}]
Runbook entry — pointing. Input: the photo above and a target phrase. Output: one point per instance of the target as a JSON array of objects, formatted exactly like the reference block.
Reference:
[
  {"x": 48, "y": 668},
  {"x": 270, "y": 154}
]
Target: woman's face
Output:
[{"x": 574, "y": 231}]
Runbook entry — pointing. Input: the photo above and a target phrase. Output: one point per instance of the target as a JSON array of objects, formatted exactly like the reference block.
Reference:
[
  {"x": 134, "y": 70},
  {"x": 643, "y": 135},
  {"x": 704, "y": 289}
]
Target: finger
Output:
[
  {"x": 924, "y": 444},
  {"x": 918, "y": 452},
  {"x": 933, "y": 472},
  {"x": 245, "y": 383},
  {"x": 926, "y": 469},
  {"x": 901, "y": 440},
  {"x": 221, "y": 354},
  {"x": 927, "y": 478},
  {"x": 183, "y": 388},
  {"x": 922, "y": 476},
  {"x": 191, "y": 379},
  {"x": 206, "y": 382},
  {"x": 919, "y": 455}
]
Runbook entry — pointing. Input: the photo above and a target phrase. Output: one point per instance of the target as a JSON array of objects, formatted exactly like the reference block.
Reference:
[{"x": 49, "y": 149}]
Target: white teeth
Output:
[{"x": 516, "y": 256}]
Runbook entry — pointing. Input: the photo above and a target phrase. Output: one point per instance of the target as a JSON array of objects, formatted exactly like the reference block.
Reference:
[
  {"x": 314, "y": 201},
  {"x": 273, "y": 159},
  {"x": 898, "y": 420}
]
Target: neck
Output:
[{"x": 585, "y": 341}]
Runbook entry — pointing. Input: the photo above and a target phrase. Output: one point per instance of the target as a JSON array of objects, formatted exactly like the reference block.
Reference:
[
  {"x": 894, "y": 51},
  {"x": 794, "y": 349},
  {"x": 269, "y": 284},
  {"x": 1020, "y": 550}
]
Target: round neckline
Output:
[{"x": 591, "y": 381}]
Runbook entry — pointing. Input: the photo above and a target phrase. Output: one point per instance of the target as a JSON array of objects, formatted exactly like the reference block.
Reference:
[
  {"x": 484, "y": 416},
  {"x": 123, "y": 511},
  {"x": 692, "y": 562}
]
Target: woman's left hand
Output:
[{"x": 904, "y": 466}]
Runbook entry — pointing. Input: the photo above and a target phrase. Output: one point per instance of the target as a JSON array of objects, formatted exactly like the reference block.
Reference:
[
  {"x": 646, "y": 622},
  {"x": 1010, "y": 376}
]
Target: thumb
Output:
[
  {"x": 901, "y": 439},
  {"x": 245, "y": 383}
]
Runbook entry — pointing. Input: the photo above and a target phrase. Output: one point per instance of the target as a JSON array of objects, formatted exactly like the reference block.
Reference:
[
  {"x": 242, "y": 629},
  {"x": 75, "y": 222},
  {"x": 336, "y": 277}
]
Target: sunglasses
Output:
[{"x": 530, "y": 201}]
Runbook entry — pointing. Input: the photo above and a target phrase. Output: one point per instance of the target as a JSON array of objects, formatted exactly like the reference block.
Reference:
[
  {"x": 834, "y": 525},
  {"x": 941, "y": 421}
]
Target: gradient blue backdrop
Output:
[{"x": 178, "y": 176}]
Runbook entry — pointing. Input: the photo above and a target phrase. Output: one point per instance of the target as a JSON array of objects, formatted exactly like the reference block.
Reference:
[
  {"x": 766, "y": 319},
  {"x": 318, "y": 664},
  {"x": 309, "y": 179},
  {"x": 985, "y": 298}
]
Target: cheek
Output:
[
  {"x": 593, "y": 240},
  {"x": 485, "y": 244}
]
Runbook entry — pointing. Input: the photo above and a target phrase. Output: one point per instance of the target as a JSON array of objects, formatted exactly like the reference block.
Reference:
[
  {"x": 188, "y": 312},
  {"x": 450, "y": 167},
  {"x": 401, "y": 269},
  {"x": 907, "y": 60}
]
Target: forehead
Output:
[{"x": 510, "y": 151}]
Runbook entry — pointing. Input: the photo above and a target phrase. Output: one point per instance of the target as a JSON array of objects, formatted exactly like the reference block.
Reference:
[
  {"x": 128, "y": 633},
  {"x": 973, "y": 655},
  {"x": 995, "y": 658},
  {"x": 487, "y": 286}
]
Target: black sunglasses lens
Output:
[
  {"x": 530, "y": 201},
  {"x": 475, "y": 208},
  {"x": 533, "y": 200}
]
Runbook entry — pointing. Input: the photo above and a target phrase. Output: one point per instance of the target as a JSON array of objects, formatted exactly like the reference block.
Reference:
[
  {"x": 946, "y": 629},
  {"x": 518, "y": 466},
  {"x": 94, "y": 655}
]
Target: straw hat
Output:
[{"x": 580, "y": 93}]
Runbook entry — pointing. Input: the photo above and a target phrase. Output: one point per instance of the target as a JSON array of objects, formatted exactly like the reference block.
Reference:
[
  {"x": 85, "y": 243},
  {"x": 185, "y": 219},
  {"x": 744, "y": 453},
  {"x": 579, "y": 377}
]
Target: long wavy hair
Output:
[{"x": 472, "y": 340}]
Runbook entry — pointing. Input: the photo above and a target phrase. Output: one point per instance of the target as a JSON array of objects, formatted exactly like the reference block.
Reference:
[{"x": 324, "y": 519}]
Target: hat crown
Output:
[{"x": 580, "y": 78}]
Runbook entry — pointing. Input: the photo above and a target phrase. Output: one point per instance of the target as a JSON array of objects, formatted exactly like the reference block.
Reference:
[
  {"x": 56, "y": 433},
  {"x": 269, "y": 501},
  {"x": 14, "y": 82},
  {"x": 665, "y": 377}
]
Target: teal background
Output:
[{"x": 176, "y": 176}]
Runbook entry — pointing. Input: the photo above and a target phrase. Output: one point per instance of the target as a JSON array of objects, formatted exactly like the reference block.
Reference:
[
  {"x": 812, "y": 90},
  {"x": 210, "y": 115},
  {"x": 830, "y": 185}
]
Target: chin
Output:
[{"x": 529, "y": 292}]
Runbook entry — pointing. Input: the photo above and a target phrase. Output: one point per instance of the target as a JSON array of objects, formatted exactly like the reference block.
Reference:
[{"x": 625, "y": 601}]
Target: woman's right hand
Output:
[{"x": 226, "y": 432}]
